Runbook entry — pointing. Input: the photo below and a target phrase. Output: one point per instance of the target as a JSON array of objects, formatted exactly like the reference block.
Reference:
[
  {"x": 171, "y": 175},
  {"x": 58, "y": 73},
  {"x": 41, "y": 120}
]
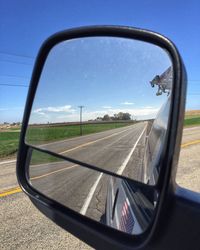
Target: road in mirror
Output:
[
  {"x": 115, "y": 202},
  {"x": 104, "y": 101}
]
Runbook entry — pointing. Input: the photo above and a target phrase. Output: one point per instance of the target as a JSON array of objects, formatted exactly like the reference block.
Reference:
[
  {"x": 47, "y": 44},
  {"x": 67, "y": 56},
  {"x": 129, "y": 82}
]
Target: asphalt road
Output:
[
  {"x": 82, "y": 189},
  {"x": 23, "y": 227},
  {"x": 188, "y": 173}
]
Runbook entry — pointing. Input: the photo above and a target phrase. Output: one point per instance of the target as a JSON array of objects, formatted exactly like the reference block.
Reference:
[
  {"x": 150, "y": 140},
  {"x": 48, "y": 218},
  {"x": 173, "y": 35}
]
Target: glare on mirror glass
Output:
[
  {"x": 120, "y": 204},
  {"x": 104, "y": 101}
]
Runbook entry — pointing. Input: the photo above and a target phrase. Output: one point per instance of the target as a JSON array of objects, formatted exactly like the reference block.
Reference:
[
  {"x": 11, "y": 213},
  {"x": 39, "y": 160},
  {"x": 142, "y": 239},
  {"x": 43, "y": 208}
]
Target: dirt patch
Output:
[{"x": 192, "y": 113}]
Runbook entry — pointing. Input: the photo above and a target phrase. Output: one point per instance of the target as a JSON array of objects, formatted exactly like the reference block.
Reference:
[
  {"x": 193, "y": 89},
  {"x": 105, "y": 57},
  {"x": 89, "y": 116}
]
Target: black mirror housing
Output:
[{"x": 92, "y": 232}]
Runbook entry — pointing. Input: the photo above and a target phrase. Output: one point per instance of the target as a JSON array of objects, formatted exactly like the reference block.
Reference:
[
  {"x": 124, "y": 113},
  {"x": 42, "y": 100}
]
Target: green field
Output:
[
  {"x": 192, "y": 121},
  {"x": 38, "y": 157},
  {"x": 40, "y": 135},
  {"x": 8, "y": 143},
  {"x": 192, "y": 118}
]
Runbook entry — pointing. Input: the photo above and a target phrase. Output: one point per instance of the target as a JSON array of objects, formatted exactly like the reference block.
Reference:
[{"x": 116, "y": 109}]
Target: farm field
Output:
[
  {"x": 192, "y": 118},
  {"x": 9, "y": 138}
]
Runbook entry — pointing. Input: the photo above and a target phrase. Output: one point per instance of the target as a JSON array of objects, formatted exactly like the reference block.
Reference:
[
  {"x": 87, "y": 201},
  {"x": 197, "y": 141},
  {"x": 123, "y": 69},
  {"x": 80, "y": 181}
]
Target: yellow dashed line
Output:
[
  {"x": 53, "y": 172},
  {"x": 18, "y": 189},
  {"x": 92, "y": 142},
  {"x": 10, "y": 191},
  {"x": 190, "y": 143}
]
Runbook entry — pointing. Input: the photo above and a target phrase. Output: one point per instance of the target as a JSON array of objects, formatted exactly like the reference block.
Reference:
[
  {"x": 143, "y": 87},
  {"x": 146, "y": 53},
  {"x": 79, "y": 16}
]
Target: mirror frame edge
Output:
[{"x": 73, "y": 221}]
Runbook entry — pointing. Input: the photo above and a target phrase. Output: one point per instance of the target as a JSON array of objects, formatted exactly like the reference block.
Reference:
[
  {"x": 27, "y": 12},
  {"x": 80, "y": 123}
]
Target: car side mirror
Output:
[{"x": 101, "y": 131}]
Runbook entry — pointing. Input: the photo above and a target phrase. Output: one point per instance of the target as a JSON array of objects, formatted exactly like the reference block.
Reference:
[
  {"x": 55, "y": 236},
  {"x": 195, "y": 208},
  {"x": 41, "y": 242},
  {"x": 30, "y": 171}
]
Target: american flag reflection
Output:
[{"x": 126, "y": 220}]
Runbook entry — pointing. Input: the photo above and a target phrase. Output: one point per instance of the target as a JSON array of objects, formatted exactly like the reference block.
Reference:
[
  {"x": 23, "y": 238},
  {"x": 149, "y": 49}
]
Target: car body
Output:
[{"x": 129, "y": 209}]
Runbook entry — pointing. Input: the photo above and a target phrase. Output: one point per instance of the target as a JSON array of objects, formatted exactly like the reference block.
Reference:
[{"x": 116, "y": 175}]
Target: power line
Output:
[
  {"x": 10, "y": 61},
  {"x": 18, "y": 55},
  {"x": 15, "y": 76},
  {"x": 13, "y": 85},
  {"x": 81, "y": 109}
]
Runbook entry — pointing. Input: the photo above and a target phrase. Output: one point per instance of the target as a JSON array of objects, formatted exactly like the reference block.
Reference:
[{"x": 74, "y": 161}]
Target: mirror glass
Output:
[
  {"x": 104, "y": 101},
  {"x": 115, "y": 202}
]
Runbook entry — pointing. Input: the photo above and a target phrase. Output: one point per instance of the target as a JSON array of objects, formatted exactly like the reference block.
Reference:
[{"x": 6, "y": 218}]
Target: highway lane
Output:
[
  {"x": 71, "y": 187},
  {"x": 71, "y": 184},
  {"x": 71, "y": 143},
  {"x": 191, "y": 134},
  {"x": 24, "y": 227},
  {"x": 106, "y": 152},
  {"x": 188, "y": 172},
  {"x": 8, "y": 175}
]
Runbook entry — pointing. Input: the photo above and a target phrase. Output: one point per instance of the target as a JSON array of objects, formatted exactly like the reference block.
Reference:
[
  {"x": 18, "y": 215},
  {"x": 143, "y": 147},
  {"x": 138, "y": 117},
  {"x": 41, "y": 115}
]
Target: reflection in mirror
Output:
[
  {"x": 104, "y": 101},
  {"x": 115, "y": 202}
]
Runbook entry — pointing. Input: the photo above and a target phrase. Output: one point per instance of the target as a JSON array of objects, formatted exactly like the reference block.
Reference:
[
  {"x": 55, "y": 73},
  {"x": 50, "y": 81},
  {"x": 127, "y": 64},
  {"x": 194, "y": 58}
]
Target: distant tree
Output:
[
  {"x": 126, "y": 116},
  {"x": 98, "y": 119},
  {"x": 119, "y": 116},
  {"x": 106, "y": 118},
  {"x": 115, "y": 117},
  {"x": 122, "y": 116}
]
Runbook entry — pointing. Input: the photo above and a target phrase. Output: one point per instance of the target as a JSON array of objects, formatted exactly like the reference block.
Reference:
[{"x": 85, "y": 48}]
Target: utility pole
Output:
[
  {"x": 133, "y": 118},
  {"x": 81, "y": 108}
]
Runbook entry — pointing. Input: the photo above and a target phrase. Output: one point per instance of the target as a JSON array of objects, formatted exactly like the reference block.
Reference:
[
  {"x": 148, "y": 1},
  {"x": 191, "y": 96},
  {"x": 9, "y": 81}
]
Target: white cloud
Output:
[
  {"x": 59, "y": 109},
  {"x": 106, "y": 107},
  {"x": 127, "y": 103},
  {"x": 67, "y": 114},
  {"x": 140, "y": 113}
]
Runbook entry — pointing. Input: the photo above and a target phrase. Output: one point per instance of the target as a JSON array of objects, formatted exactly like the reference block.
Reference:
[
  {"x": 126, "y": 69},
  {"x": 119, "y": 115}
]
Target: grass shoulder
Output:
[
  {"x": 192, "y": 118},
  {"x": 36, "y": 135}
]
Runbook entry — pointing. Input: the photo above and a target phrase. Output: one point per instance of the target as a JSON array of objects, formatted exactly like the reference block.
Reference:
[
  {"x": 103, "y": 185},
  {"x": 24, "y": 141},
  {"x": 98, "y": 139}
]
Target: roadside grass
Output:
[
  {"x": 40, "y": 135},
  {"x": 192, "y": 118},
  {"x": 15, "y": 129},
  {"x": 192, "y": 121},
  {"x": 8, "y": 143},
  {"x": 38, "y": 157}
]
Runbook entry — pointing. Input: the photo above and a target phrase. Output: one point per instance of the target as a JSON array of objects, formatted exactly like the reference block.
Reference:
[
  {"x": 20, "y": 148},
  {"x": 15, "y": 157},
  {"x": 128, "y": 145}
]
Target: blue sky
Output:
[
  {"x": 24, "y": 25},
  {"x": 106, "y": 75}
]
